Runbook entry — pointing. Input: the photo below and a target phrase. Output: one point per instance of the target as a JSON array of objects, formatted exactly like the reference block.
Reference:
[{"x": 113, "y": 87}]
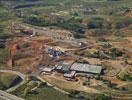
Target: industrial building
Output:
[
  {"x": 71, "y": 74},
  {"x": 86, "y": 68},
  {"x": 63, "y": 68}
]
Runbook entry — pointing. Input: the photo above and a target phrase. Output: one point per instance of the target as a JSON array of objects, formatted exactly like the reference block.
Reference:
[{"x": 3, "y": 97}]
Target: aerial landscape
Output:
[{"x": 65, "y": 49}]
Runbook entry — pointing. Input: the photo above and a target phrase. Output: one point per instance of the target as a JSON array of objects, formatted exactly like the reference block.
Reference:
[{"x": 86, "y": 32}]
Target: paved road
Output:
[
  {"x": 23, "y": 77},
  {"x": 7, "y": 96}
]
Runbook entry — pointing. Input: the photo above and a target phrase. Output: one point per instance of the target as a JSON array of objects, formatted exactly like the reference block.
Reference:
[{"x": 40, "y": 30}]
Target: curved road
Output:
[
  {"x": 7, "y": 96},
  {"x": 23, "y": 81}
]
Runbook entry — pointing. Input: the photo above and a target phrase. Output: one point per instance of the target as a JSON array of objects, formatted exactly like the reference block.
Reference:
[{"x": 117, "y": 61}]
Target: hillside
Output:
[{"x": 68, "y": 49}]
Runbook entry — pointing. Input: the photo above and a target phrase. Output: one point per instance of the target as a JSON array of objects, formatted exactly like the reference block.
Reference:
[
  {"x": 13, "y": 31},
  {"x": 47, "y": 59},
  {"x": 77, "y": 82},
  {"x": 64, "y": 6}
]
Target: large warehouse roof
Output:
[{"x": 86, "y": 68}]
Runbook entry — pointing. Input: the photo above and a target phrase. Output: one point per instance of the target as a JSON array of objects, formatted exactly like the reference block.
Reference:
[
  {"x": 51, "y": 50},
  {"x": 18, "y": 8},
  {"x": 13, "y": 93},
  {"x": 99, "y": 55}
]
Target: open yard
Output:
[{"x": 69, "y": 85}]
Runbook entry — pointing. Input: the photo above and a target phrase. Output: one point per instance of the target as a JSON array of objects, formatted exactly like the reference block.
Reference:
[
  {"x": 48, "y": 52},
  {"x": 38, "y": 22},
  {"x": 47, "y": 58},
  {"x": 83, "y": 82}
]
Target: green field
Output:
[
  {"x": 43, "y": 92},
  {"x": 68, "y": 14},
  {"x": 7, "y": 16},
  {"x": 48, "y": 93},
  {"x": 3, "y": 56},
  {"x": 6, "y": 80}
]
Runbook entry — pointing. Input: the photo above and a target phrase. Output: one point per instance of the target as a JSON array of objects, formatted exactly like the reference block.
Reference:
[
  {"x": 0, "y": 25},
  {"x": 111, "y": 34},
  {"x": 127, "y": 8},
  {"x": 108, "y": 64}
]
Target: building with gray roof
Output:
[
  {"x": 64, "y": 68},
  {"x": 86, "y": 68}
]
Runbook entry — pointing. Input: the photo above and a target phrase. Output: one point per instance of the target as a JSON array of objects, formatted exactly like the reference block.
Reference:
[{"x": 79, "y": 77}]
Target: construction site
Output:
[
  {"x": 54, "y": 55},
  {"x": 66, "y": 49}
]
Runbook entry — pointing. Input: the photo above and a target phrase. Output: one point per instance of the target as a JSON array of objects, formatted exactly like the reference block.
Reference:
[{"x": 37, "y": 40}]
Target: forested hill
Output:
[{"x": 75, "y": 15}]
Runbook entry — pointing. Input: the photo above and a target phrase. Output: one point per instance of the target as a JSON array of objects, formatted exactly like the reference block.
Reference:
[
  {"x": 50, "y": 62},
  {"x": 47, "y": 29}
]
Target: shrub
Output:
[
  {"x": 74, "y": 93},
  {"x": 103, "y": 97},
  {"x": 25, "y": 45},
  {"x": 115, "y": 52},
  {"x": 124, "y": 76}
]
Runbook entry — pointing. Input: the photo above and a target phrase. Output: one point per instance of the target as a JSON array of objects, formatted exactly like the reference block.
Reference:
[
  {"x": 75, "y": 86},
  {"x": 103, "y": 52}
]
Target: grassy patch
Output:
[
  {"x": 3, "y": 56},
  {"x": 6, "y": 80},
  {"x": 48, "y": 93},
  {"x": 43, "y": 92}
]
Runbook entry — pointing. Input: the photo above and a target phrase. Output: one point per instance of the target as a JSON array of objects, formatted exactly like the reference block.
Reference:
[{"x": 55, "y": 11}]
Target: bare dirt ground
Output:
[
  {"x": 36, "y": 49},
  {"x": 62, "y": 83}
]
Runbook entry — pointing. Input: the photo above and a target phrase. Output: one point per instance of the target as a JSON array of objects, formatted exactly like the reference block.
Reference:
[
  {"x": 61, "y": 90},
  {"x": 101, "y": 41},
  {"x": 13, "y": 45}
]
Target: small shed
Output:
[
  {"x": 47, "y": 70},
  {"x": 70, "y": 75}
]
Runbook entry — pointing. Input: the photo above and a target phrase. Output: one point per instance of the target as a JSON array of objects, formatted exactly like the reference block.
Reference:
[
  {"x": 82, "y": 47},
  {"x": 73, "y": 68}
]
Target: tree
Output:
[{"x": 115, "y": 52}]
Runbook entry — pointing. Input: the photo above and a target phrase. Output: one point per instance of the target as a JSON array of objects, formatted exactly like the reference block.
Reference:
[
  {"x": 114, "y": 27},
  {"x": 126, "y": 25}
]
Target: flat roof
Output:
[
  {"x": 46, "y": 69},
  {"x": 71, "y": 74},
  {"x": 86, "y": 68},
  {"x": 64, "y": 67}
]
